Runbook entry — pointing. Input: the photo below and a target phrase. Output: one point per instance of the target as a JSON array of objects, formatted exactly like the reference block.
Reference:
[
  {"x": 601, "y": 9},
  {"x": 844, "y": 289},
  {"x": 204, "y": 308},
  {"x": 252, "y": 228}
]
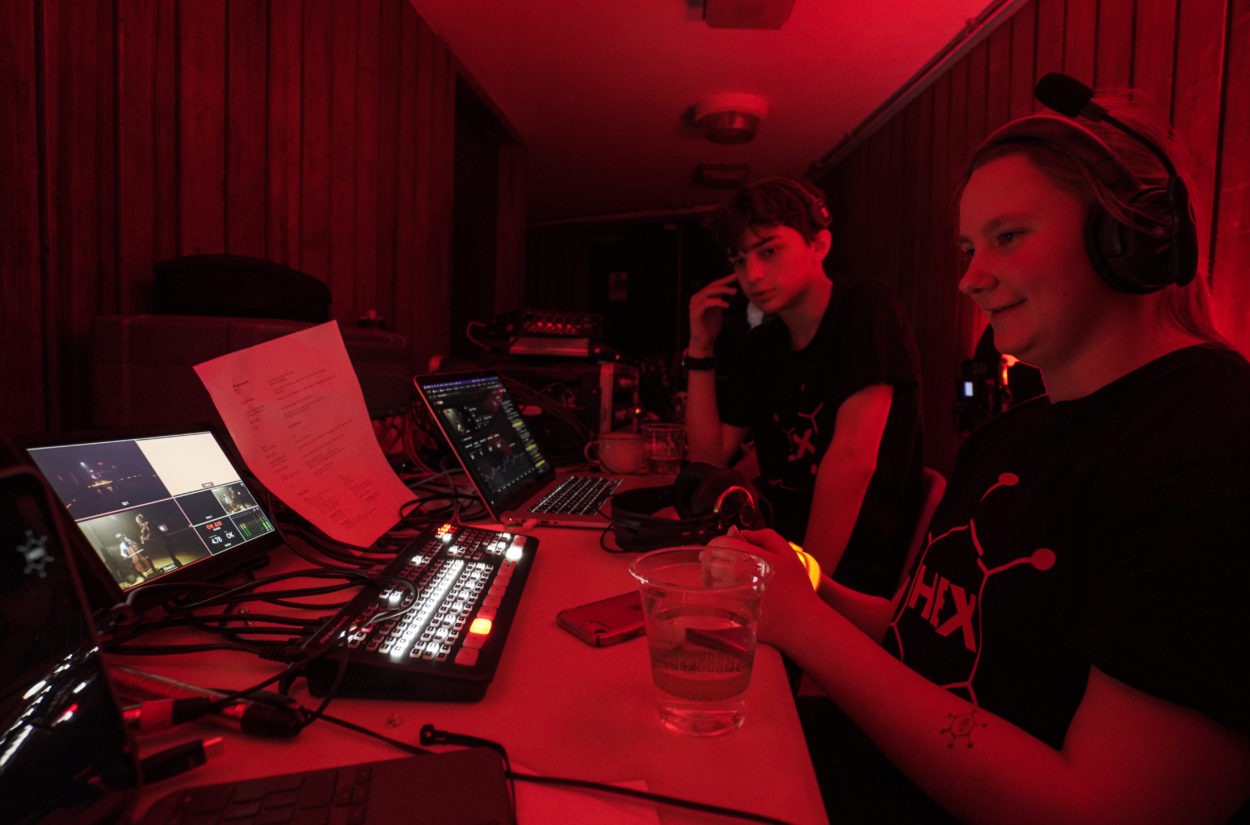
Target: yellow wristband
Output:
[{"x": 809, "y": 564}]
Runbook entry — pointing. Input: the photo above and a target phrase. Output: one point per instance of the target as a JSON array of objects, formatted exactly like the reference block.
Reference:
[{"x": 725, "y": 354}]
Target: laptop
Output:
[
  {"x": 160, "y": 507},
  {"x": 67, "y": 758},
  {"x": 515, "y": 480}
]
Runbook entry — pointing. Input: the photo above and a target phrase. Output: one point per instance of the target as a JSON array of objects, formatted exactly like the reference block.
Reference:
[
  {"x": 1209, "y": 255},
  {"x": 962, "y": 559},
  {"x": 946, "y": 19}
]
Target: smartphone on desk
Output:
[{"x": 606, "y": 621}]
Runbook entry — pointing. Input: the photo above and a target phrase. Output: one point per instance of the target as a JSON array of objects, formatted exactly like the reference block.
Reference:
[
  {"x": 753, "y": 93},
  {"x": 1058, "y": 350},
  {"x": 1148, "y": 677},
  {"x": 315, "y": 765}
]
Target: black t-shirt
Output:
[
  {"x": 1110, "y": 531},
  {"x": 789, "y": 400}
]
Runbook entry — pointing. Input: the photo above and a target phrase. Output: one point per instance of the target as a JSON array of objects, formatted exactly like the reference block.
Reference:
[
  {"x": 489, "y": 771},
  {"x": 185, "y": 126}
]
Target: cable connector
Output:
[
  {"x": 162, "y": 714},
  {"x": 285, "y": 653},
  {"x": 431, "y": 735},
  {"x": 179, "y": 758}
]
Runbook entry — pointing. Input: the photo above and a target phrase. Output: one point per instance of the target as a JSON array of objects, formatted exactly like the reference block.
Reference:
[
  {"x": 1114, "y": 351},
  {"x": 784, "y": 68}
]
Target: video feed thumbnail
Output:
[{"x": 99, "y": 478}]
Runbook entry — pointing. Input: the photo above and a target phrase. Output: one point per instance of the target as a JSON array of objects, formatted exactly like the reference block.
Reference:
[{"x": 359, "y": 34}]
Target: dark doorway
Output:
[{"x": 475, "y": 216}]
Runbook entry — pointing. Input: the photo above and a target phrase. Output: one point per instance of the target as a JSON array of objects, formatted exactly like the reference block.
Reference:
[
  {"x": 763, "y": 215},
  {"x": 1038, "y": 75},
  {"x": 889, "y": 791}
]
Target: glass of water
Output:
[{"x": 701, "y": 608}]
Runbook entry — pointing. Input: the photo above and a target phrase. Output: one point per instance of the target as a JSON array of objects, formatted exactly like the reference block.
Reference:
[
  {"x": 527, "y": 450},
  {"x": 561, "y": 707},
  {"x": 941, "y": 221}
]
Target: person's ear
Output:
[{"x": 822, "y": 243}]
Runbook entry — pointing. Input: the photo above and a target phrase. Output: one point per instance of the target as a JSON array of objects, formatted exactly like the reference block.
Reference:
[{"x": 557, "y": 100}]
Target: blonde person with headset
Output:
[
  {"x": 1072, "y": 644},
  {"x": 827, "y": 389}
]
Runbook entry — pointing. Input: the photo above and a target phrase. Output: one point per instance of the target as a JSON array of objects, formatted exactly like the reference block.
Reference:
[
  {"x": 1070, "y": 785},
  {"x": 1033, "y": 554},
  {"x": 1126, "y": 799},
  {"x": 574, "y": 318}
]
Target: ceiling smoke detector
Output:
[{"x": 732, "y": 117}]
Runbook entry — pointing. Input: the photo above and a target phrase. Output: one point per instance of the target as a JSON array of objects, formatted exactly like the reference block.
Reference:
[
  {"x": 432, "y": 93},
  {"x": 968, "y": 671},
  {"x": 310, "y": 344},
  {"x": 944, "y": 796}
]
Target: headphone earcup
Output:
[
  {"x": 1126, "y": 258},
  {"x": 742, "y": 500},
  {"x": 633, "y": 523},
  {"x": 637, "y": 529},
  {"x": 818, "y": 213},
  {"x": 694, "y": 495},
  {"x": 687, "y": 484}
]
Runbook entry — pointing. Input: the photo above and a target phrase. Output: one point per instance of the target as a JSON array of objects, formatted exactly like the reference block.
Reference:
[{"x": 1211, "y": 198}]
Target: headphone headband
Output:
[
  {"x": 817, "y": 209},
  {"x": 1073, "y": 139}
]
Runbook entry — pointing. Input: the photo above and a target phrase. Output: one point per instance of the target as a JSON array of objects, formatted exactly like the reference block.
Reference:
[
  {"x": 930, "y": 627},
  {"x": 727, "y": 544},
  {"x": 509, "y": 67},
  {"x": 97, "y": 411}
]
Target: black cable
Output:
[
  {"x": 224, "y": 592},
  {"x": 230, "y": 598},
  {"x": 164, "y": 650},
  {"x": 280, "y": 626},
  {"x": 229, "y": 625},
  {"x": 295, "y": 537},
  {"x": 228, "y": 593},
  {"x": 331, "y": 694},
  {"x": 352, "y": 726},
  {"x": 197, "y": 621},
  {"x": 676, "y": 802},
  {"x": 451, "y": 511},
  {"x": 229, "y": 697}
]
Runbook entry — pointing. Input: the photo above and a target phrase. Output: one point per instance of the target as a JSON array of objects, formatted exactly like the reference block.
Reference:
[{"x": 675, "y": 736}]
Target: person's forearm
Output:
[
  {"x": 703, "y": 425},
  {"x": 978, "y": 766},
  {"x": 846, "y": 469},
  {"x": 836, "y": 499}
]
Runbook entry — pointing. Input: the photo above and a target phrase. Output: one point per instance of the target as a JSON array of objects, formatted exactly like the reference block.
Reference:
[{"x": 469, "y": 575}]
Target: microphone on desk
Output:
[{"x": 170, "y": 702}]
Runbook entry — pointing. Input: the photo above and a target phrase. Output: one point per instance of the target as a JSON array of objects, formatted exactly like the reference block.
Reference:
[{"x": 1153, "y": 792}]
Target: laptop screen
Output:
[
  {"x": 169, "y": 507},
  {"x": 487, "y": 433}
]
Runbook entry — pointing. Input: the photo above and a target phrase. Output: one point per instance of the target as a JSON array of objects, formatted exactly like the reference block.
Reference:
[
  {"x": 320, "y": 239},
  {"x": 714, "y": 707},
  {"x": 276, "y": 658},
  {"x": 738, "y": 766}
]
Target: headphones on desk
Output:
[{"x": 708, "y": 501}]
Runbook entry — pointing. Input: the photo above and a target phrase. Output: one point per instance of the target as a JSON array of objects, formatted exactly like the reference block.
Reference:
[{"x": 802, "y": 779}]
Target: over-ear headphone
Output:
[
  {"x": 1133, "y": 259},
  {"x": 817, "y": 210},
  {"x": 708, "y": 500}
]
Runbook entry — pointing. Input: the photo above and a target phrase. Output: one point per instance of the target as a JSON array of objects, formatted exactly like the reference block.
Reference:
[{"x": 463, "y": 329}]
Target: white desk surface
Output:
[{"x": 559, "y": 706}]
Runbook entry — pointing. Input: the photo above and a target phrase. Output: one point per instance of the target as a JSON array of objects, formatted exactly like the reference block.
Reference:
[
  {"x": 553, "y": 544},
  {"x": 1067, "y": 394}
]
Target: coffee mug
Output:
[{"x": 616, "y": 452}]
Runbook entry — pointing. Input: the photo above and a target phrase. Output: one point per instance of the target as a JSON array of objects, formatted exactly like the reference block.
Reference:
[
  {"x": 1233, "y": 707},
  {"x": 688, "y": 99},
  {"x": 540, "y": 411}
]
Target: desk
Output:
[{"x": 559, "y": 706}]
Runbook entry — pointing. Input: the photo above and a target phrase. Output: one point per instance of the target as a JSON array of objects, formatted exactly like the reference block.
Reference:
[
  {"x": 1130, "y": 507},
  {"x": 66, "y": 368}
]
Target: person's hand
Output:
[
  {"x": 789, "y": 591},
  {"x": 707, "y": 313}
]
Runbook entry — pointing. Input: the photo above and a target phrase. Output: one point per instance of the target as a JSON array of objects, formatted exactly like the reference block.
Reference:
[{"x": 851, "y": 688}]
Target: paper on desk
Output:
[{"x": 294, "y": 408}]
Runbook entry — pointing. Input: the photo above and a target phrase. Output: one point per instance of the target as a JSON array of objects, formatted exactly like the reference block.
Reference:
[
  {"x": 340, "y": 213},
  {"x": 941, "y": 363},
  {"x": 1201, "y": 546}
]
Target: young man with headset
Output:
[
  {"x": 828, "y": 391},
  {"x": 1071, "y": 645}
]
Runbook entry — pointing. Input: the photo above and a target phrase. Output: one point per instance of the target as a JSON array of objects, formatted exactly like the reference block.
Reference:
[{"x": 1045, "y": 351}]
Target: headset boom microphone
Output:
[{"x": 1072, "y": 98}]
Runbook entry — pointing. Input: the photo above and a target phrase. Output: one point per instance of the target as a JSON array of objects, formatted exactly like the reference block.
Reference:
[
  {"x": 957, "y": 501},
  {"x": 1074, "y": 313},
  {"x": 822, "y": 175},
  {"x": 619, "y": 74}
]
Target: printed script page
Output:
[{"x": 295, "y": 410}]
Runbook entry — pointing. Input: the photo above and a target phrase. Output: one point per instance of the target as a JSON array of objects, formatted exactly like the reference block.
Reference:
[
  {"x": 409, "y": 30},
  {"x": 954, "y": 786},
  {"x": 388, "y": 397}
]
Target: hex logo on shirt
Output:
[{"x": 947, "y": 602}]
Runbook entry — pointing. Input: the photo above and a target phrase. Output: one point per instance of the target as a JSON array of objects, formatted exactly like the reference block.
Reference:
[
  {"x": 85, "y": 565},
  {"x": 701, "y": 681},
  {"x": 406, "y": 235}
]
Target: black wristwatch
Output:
[{"x": 690, "y": 364}]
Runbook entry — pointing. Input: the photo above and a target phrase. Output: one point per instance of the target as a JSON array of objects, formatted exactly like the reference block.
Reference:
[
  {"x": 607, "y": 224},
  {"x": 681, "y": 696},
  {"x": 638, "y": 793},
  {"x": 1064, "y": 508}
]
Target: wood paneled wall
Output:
[
  {"x": 893, "y": 193},
  {"x": 314, "y": 133}
]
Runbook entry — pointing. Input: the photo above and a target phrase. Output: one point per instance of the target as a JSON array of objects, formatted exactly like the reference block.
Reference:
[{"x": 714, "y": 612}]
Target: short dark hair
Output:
[{"x": 775, "y": 201}]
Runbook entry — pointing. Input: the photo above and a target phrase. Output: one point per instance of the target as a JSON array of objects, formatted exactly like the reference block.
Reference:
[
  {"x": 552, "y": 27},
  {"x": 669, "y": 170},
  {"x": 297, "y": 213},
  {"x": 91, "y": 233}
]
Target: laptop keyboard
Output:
[
  {"x": 578, "y": 495},
  {"x": 289, "y": 798}
]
